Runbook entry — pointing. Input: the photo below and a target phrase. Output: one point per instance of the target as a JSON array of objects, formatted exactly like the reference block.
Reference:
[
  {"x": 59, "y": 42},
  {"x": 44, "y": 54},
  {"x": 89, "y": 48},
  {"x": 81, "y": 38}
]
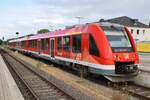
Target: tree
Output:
[{"x": 41, "y": 31}]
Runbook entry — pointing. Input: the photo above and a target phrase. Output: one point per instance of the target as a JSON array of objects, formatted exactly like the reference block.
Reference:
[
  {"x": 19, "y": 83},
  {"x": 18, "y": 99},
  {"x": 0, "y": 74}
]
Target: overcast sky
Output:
[{"x": 27, "y": 16}]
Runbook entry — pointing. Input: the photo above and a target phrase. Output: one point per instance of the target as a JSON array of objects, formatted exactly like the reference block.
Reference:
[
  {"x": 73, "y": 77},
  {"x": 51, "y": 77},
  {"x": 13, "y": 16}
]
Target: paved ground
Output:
[
  {"x": 8, "y": 87},
  {"x": 144, "y": 77},
  {"x": 144, "y": 61},
  {"x": 144, "y": 58}
]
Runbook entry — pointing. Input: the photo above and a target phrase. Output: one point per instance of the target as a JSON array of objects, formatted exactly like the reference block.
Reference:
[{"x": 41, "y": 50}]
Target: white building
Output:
[
  {"x": 140, "y": 34},
  {"x": 140, "y": 31}
]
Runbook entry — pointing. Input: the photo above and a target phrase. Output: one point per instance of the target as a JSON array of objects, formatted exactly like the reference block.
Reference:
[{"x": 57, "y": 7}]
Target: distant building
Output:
[{"x": 140, "y": 31}]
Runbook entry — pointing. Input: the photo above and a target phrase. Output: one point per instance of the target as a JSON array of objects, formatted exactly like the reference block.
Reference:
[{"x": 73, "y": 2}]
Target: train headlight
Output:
[{"x": 116, "y": 57}]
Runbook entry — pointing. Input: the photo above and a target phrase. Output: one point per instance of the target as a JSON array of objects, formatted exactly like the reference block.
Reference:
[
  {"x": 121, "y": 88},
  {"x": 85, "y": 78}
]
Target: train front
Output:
[{"x": 124, "y": 54}]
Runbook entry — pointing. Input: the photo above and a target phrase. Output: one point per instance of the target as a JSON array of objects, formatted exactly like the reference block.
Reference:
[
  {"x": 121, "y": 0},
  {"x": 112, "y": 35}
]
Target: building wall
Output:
[{"x": 140, "y": 34}]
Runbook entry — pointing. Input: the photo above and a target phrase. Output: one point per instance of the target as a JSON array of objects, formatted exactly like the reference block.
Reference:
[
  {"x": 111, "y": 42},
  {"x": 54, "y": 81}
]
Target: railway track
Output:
[
  {"x": 140, "y": 91},
  {"x": 143, "y": 93},
  {"x": 35, "y": 86}
]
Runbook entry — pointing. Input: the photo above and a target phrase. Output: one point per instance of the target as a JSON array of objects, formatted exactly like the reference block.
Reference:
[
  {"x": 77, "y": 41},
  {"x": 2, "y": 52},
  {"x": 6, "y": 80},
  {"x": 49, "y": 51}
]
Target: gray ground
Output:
[
  {"x": 144, "y": 59},
  {"x": 144, "y": 77}
]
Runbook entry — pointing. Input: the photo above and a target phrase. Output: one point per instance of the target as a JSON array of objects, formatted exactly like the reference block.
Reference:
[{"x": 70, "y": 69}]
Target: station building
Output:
[{"x": 139, "y": 30}]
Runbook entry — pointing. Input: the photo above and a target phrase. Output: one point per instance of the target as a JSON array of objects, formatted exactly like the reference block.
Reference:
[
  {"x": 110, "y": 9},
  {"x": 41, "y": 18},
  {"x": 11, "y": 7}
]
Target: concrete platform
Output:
[{"x": 8, "y": 87}]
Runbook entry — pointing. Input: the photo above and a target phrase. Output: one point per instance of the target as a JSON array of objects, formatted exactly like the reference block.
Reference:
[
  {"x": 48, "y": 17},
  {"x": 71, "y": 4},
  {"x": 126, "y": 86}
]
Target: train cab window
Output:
[
  {"x": 66, "y": 43},
  {"x": 76, "y": 43},
  {"x": 59, "y": 43},
  {"x": 92, "y": 46}
]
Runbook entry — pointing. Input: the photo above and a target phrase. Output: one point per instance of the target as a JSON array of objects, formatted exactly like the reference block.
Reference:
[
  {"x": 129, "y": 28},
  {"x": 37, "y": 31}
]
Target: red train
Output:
[{"x": 100, "y": 48}]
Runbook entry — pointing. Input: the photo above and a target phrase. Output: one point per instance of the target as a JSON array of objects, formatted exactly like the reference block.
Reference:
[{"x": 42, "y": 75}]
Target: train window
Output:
[
  {"x": 42, "y": 42},
  {"x": 132, "y": 31},
  {"x": 59, "y": 43},
  {"x": 138, "y": 31},
  {"x": 32, "y": 43},
  {"x": 92, "y": 47},
  {"x": 66, "y": 43},
  {"x": 22, "y": 43},
  {"x": 76, "y": 43},
  {"x": 46, "y": 44},
  {"x": 35, "y": 43}
]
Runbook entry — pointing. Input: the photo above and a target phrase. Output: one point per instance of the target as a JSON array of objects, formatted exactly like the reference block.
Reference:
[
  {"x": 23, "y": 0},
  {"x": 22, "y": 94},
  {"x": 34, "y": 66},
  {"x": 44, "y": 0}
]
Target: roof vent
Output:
[
  {"x": 135, "y": 21},
  {"x": 102, "y": 20},
  {"x": 69, "y": 27}
]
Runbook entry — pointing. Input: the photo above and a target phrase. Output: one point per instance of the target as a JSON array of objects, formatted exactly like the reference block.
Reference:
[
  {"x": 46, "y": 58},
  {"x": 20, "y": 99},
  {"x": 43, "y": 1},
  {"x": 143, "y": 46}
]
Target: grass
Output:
[{"x": 143, "y": 47}]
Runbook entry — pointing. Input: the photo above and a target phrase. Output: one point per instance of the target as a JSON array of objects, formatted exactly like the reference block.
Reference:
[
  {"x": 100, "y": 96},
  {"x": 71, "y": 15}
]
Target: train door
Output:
[
  {"x": 39, "y": 48},
  {"x": 52, "y": 50}
]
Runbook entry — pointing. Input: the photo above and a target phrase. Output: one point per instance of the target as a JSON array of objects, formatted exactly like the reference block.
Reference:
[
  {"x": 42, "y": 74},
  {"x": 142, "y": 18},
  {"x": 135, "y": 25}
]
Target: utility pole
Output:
[
  {"x": 17, "y": 33},
  {"x": 79, "y": 19}
]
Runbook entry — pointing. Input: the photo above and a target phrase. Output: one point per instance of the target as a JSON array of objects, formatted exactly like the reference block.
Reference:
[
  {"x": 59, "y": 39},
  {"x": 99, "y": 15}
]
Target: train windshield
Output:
[{"x": 118, "y": 39}]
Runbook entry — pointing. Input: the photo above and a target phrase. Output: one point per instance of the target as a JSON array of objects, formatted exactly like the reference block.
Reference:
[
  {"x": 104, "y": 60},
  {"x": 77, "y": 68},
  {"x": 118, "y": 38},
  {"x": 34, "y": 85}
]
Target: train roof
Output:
[
  {"x": 61, "y": 32},
  {"x": 109, "y": 24},
  {"x": 76, "y": 29},
  {"x": 18, "y": 39}
]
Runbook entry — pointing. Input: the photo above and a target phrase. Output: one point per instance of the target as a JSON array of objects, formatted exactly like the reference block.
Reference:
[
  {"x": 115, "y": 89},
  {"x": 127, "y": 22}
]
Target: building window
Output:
[
  {"x": 66, "y": 43},
  {"x": 59, "y": 43},
  {"x": 138, "y": 31},
  {"x": 76, "y": 43},
  {"x": 92, "y": 47},
  {"x": 143, "y": 32},
  {"x": 132, "y": 31}
]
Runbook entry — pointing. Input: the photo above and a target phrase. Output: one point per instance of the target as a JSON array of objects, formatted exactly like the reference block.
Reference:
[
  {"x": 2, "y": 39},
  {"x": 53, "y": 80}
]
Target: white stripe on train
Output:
[{"x": 92, "y": 65}]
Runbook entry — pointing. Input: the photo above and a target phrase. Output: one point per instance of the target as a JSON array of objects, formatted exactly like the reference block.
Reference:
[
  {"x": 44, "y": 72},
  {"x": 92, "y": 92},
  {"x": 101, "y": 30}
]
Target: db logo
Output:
[{"x": 126, "y": 56}]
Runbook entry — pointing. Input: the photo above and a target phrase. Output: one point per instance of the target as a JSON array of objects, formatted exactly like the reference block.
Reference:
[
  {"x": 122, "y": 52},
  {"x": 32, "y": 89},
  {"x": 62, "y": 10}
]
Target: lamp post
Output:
[
  {"x": 17, "y": 33},
  {"x": 79, "y": 19}
]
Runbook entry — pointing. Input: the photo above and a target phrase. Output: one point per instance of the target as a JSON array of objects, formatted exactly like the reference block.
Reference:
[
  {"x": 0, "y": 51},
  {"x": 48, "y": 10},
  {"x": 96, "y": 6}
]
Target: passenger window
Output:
[
  {"x": 66, "y": 43},
  {"x": 42, "y": 41},
  {"x": 92, "y": 46},
  {"x": 22, "y": 44},
  {"x": 76, "y": 43},
  {"x": 59, "y": 43},
  {"x": 47, "y": 44},
  {"x": 32, "y": 43}
]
